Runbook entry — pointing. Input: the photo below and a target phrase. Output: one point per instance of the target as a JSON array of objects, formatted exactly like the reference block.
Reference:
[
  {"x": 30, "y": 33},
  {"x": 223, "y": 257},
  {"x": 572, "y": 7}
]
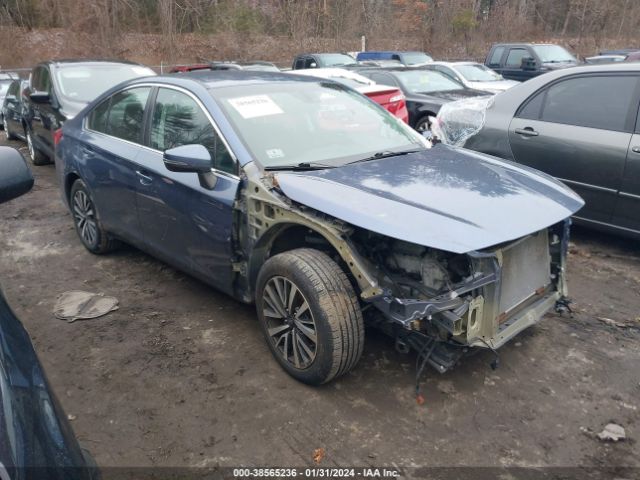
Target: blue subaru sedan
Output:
[{"x": 306, "y": 198}]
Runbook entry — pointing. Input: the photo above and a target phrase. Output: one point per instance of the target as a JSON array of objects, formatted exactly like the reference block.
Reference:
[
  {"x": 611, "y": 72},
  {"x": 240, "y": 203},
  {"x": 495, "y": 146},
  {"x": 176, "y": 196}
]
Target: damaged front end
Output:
[{"x": 477, "y": 299}]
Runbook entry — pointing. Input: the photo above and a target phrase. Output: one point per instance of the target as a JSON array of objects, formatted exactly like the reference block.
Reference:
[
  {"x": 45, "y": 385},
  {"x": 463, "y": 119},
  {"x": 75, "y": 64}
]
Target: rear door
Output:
[
  {"x": 627, "y": 211},
  {"x": 494, "y": 61},
  {"x": 183, "y": 222},
  {"x": 111, "y": 144},
  {"x": 578, "y": 129}
]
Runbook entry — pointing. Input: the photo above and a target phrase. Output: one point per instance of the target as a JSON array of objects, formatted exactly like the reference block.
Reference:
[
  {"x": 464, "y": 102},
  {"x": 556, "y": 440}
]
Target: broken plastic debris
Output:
[
  {"x": 78, "y": 305},
  {"x": 318, "y": 455},
  {"x": 612, "y": 432}
]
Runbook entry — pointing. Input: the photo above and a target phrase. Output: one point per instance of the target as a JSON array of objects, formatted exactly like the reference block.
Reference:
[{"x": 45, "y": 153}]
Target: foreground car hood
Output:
[{"x": 445, "y": 198}]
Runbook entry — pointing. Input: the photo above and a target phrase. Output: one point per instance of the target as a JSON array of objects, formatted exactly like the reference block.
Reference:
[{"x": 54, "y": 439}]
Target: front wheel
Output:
[
  {"x": 37, "y": 157},
  {"x": 309, "y": 315},
  {"x": 423, "y": 124}
]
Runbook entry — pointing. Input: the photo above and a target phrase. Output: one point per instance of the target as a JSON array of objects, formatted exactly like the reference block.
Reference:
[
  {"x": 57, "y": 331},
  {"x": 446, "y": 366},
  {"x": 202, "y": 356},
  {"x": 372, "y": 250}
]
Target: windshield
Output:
[
  {"x": 416, "y": 58},
  {"x": 336, "y": 59},
  {"x": 426, "y": 81},
  {"x": 478, "y": 73},
  {"x": 86, "y": 82},
  {"x": 284, "y": 124},
  {"x": 553, "y": 54}
]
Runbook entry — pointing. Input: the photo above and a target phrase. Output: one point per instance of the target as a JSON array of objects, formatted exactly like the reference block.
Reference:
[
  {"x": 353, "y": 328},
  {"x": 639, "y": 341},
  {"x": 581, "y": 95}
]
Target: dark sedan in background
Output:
[
  {"x": 36, "y": 440},
  {"x": 13, "y": 110},
  {"x": 580, "y": 125},
  {"x": 425, "y": 90},
  {"x": 59, "y": 89}
]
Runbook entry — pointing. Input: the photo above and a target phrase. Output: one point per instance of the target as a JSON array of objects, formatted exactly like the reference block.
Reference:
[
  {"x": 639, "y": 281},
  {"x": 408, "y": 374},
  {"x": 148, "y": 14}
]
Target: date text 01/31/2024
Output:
[{"x": 315, "y": 472}]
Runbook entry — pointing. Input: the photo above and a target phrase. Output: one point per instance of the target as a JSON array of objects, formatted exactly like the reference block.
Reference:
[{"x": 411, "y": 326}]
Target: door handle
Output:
[
  {"x": 635, "y": 149},
  {"x": 527, "y": 132},
  {"x": 144, "y": 178}
]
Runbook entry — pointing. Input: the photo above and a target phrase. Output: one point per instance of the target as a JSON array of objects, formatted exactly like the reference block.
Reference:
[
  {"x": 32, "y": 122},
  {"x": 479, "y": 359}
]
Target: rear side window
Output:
[
  {"x": 608, "y": 106},
  {"x": 121, "y": 115},
  {"x": 308, "y": 62},
  {"x": 496, "y": 56},
  {"x": 514, "y": 59},
  {"x": 178, "y": 120},
  {"x": 97, "y": 119}
]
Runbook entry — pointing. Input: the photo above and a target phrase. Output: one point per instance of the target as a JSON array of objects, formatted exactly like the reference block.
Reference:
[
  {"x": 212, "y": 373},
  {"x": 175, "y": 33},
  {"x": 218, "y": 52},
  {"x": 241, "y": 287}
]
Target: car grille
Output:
[{"x": 526, "y": 271}]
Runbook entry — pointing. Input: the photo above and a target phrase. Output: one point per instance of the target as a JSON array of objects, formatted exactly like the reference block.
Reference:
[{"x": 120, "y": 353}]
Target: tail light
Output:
[{"x": 57, "y": 136}]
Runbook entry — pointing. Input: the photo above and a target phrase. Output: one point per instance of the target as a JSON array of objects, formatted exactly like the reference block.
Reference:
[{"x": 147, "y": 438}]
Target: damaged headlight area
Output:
[
  {"x": 460, "y": 120},
  {"x": 457, "y": 301}
]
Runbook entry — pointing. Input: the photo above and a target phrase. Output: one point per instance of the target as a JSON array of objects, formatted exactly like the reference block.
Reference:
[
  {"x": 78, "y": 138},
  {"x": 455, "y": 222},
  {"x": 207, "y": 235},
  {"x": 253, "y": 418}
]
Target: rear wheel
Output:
[
  {"x": 423, "y": 124},
  {"x": 37, "y": 157},
  {"x": 310, "y": 315},
  {"x": 10, "y": 135},
  {"x": 85, "y": 218}
]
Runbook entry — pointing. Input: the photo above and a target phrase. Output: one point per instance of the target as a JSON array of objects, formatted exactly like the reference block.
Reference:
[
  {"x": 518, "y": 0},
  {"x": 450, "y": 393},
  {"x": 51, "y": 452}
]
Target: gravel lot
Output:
[{"x": 181, "y": 376}]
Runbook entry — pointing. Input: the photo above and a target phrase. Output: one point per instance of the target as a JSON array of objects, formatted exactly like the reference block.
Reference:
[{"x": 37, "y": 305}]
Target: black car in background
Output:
[
  {"x": 59, "y": 89},
  {"x": 425, "y": 90},
  {"x": 12, "y": 110},
  {"x": 323, "y": 60},
  {"x": 5, "y": 82},
  {"x": 36, "y": 440},
  {"x": 522, "y": 61}
]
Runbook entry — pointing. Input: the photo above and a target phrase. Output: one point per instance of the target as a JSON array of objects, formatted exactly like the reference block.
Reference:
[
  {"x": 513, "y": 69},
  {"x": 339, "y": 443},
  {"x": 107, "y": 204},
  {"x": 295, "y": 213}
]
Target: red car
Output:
[{"x": 391, "y": 98}]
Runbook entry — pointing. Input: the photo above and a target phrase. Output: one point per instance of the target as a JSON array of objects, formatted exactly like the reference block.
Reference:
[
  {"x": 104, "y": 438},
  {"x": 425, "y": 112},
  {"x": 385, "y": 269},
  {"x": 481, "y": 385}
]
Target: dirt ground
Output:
[{"x": 181, "y": 376}]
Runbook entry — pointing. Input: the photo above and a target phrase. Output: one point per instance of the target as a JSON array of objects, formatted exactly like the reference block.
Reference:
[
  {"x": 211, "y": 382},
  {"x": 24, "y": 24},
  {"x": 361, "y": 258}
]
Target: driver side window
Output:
[{"x": 178, "y": 120}]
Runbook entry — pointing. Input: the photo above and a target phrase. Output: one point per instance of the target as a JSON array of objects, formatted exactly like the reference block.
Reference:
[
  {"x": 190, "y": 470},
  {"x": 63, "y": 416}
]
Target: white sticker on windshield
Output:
[
  {"x": 255, "y": 106},
  {"x": 275, "y": 153}
]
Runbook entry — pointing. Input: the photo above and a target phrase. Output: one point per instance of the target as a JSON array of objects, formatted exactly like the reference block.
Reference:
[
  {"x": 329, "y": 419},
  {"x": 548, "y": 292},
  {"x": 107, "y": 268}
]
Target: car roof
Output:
[
  {"x": 89, "y": 61},
  {"x": 522, "y": 44},
  {"x": 224, "y": 78},
  {"x": 392, "y": 51}
]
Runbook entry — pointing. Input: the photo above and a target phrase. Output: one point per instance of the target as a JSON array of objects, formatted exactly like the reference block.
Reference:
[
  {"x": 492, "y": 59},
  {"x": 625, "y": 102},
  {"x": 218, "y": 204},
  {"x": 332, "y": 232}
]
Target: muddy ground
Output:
[{"x": 181, "y": 376}]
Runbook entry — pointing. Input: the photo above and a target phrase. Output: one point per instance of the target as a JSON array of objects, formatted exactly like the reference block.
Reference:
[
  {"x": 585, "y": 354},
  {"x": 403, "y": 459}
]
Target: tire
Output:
[
  {"x": 333, "y": 315},
  {"x": 423, "y": 124},
  {"x": 37, "y": 157},
  {"x": 10, "y": 135},
  {"x": 85, "y": 218}
]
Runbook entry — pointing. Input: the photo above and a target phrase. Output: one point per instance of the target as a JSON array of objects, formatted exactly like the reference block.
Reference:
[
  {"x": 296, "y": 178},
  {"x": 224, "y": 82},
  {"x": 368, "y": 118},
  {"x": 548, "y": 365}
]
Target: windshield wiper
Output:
[
  {"x": 385, "y": 154},
  {"x": 300, "y": 166}
]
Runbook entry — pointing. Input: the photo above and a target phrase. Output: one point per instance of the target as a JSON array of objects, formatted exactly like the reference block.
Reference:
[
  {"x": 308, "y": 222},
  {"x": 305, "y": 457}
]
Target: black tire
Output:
[
  {"x": 86, "y": 220},
  {"x": 37, "y": 157},
  {"x": 333, "y": 313},
  {"x": 10, "y": 135},
  {"x": 423, "y": 124}
]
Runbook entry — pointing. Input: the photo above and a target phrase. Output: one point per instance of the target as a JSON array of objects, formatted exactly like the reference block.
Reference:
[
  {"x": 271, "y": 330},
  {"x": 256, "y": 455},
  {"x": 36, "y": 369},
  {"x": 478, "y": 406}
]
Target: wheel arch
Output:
[
  {"x": 286, "y": 236},
  {"x": 69, "y": 180}
]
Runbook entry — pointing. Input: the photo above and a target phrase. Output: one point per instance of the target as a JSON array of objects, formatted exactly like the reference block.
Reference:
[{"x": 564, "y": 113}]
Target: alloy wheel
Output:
[
  {"x": 85, "y": 218},
  {"x": 290, "y": 323},
  {"x": 32, "y": 151}
]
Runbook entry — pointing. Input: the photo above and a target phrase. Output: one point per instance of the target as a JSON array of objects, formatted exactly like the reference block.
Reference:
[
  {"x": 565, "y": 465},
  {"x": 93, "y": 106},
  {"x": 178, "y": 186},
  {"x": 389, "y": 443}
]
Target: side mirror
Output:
[
  {"x": 40, "y": 97},
  {"x": 528, "y": 63},
  {"x": 15, "y": 176},
  {"x": 191, "y": 159}
]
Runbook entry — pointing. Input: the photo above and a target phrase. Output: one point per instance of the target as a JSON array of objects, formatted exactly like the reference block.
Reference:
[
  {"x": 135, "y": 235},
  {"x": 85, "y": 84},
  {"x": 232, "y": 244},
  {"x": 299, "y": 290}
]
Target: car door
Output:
[
  {"x": 183, "y": 222},
  {"x": 627, "y": 210},
  {"x": 36, "y": 84},
  {"x": 578, "y": 129},
  {"x": 47, "y": 121},
  {"x": 12, "y": 108},
  {"x": 513, "y": 64},
  {"x": 110, "y": 145},
  {"x": 495, "y": 59}
]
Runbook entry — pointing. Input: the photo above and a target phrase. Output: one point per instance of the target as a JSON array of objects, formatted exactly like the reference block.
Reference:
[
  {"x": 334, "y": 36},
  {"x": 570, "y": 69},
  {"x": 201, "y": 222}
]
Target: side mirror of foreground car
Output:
[
  {"x": 15, "y": 177},
  {"x": 191, "y": 159}
]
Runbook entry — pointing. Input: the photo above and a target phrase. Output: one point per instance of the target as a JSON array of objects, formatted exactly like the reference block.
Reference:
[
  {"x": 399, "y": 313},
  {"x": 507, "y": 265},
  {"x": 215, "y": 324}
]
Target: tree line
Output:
[{"x": 443, "y": 27}]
